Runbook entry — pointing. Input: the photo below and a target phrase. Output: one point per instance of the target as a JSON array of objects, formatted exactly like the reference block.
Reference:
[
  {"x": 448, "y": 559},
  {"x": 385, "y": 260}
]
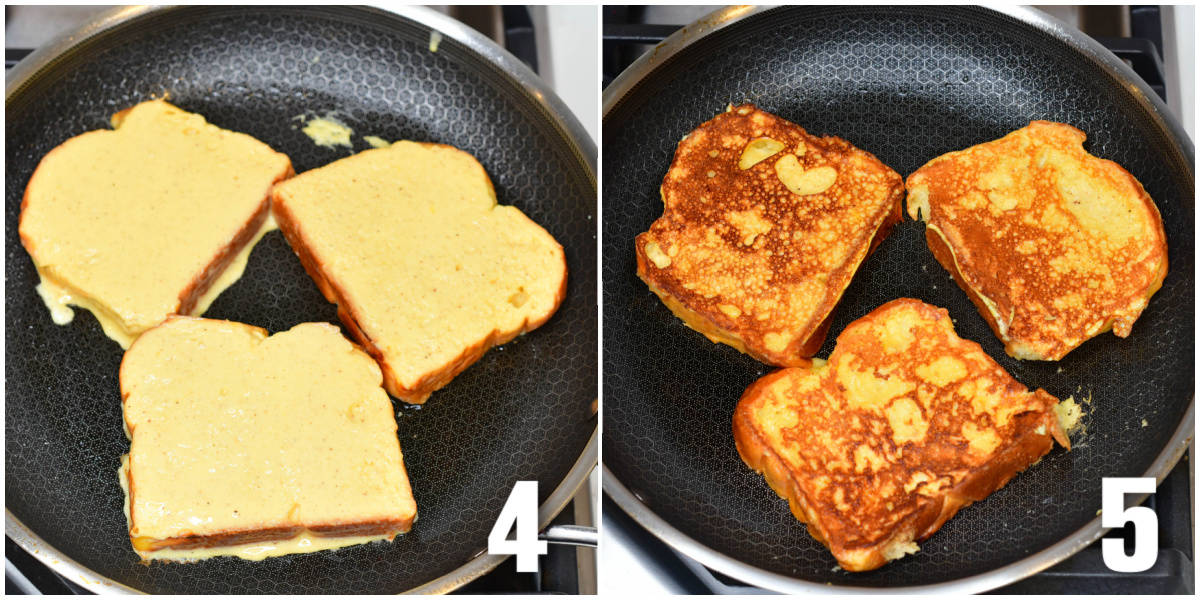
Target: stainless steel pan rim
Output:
[
  {"x": 721, "y": 18},
  {"x": 1180, "y": 440},
  {"x": 29, "y": 67},
  {"x": 554, "y": 107},
  {"x": 631, "y": 504}
]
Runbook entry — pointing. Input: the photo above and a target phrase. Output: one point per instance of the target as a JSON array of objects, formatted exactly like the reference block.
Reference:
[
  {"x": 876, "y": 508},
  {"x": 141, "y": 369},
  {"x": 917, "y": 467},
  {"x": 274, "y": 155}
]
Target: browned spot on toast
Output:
[{"x": 763, "y": 228}]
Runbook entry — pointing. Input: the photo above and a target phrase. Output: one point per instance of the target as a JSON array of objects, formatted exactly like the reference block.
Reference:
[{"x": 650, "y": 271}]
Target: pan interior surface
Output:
[
  {"x": 906, "y": 84},
  {"x": 525, "y": 411}
]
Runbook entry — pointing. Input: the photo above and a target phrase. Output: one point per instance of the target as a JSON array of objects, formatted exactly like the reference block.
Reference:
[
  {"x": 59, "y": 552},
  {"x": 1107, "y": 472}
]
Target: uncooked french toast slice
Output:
[
  {"x": 254, "y": 446},
  {"x": 1053, "y": 245},
  {"x": 763, "y": 228},
  {"x": 142, "y": 221},
  {"x": 428, "y": 272},
  {"x": 904, "y": 425}
]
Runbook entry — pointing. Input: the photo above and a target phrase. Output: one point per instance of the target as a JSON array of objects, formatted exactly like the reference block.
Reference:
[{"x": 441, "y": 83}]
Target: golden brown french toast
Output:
[
  {"x": 153, "y": 218},
  {"x": 427, "y": 270},
  {"x": 904, "y": 425},
  {"x": 1053, "y": 245},
  {"x": 763, "y": 227},
  {"x": 252, "y": 445}
]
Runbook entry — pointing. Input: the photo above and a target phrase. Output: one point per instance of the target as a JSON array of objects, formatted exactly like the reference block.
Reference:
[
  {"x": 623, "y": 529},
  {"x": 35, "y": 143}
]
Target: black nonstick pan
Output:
[
  {"x": 907, "y": 84},
  {"x": 526, "y": 411}
]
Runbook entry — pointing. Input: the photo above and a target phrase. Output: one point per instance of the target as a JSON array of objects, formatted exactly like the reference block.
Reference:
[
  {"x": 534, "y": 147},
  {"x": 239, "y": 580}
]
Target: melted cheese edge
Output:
[
  {"x": 234, "y": 271},
  {"x": 376, "y": 141},
  {"x": 328, "y": 132}
]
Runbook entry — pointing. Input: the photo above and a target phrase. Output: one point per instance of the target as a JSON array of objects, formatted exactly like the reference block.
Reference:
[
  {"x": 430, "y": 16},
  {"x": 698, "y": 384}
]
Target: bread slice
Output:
[
  {"x": 903, "y": 426},
  {"x": 763, "y": 227},
  {"x": 254, "y": 446},
  {"x": 428, "y": 272},
  {"x": 1053, "y": 245},
  {"x": 140, "y": 222}
]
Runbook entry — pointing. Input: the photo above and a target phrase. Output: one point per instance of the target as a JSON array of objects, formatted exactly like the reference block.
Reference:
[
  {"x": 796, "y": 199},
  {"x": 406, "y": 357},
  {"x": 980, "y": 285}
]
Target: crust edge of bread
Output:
[{"x": 236, "y": 537}]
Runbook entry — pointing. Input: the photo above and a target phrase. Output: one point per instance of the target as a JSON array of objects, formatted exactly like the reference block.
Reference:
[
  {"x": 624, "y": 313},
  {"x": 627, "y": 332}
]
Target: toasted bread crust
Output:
[
  {"x": 943, "y": 254},
  {"x": 1053, "y": 245},
  {"x": 745, "y": 259},
  {"x": 235, "y": 537},
  {"x": 762, "y": 459},
  {"x": 204, "y": 280},
  {"x": 348, "y": 312},
  {"x": 866, "y": 540}
]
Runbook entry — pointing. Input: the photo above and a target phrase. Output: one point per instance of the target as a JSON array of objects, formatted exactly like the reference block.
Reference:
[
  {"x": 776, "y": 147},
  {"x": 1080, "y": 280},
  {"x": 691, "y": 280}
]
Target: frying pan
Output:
[
  {"x": 907, "y": 84},
  {"x": 526, "y": 411}
]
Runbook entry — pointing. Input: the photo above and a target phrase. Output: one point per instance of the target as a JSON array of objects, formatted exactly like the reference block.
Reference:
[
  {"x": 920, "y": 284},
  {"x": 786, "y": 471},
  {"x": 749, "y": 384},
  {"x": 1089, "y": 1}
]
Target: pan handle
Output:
[{"x": 574, "y": 535}]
